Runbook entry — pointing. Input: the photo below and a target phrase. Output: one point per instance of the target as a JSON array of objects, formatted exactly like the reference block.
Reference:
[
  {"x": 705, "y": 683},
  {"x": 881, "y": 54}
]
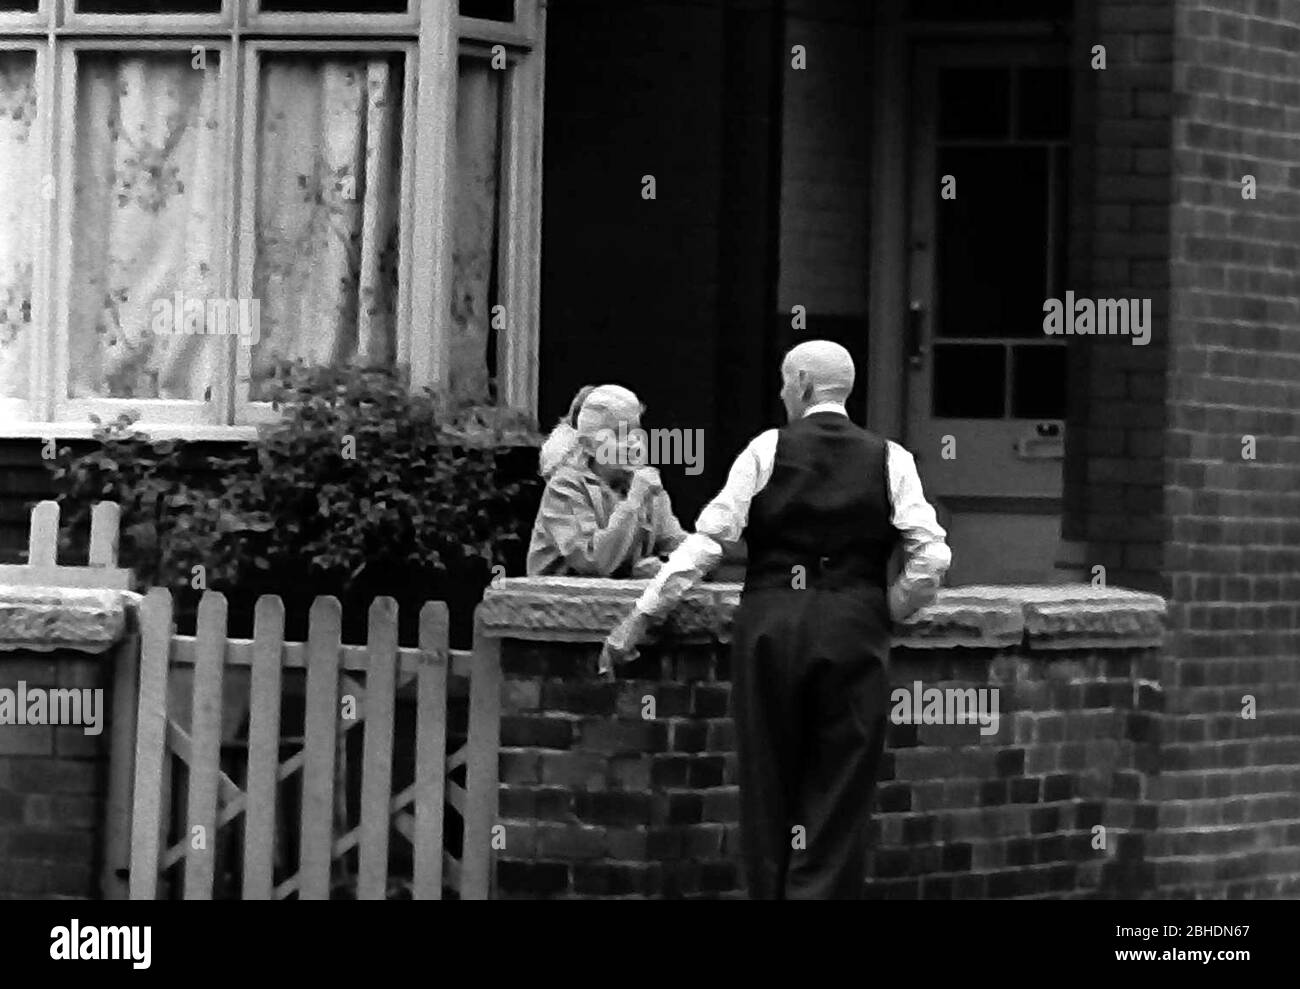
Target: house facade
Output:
[{"x": 1061, "y": 238}]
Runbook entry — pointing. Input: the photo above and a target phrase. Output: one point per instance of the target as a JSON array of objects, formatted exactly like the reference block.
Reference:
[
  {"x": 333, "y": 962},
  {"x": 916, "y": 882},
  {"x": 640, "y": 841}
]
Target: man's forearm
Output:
[
  {"x": 687, "y": 566},
  {"x": 918, "y": 584}
]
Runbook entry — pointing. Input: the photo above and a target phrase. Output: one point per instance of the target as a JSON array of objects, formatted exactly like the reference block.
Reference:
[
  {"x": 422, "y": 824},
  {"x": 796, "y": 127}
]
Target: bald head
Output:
[{"x": 815, "y": 371}]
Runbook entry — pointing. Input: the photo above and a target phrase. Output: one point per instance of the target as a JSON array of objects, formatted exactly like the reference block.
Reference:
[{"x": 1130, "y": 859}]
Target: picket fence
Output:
[
  {"x": 215, "y": 800},
  {"x": 150, "y": 737}
]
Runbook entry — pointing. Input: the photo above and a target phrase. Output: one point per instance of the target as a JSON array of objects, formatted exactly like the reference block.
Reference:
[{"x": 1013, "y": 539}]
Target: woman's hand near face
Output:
[{"x": 646, "y": 484}]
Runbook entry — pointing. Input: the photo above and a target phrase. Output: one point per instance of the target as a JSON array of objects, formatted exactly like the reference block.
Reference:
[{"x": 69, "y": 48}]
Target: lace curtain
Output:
[
  {"x": 474, "y": 254},
  {"x": 328, "y": 184},
  {"x": 150, "y": 219},
  {"x": 146, "y": 223},
  {"x": 21, "y": 176}
]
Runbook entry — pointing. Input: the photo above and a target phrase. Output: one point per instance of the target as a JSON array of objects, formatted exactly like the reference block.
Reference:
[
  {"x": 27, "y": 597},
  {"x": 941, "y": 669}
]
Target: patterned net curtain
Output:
[
  {"x": 21, "y": 172},
  {"x": 147, "y": 219},
  {"x": 474, "y": 253},
  {"x": 151, "y": 220},
  {"x": 328, "y": 196}
]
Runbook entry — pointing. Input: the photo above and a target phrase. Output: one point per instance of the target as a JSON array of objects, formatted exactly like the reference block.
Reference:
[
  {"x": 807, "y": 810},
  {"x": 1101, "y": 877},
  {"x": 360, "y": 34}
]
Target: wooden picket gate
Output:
[{"x": 373, "y": 676}]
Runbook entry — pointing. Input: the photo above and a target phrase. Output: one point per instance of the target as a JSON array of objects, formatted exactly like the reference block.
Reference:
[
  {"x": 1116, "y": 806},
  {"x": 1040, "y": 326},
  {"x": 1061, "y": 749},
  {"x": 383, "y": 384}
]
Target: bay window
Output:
[{"x": 196, "y": 190}]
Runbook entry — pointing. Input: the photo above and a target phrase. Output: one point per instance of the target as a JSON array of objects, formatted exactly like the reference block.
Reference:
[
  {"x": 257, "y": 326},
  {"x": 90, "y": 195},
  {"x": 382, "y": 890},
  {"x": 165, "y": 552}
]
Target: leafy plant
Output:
[{"x": 362, "y": 487}]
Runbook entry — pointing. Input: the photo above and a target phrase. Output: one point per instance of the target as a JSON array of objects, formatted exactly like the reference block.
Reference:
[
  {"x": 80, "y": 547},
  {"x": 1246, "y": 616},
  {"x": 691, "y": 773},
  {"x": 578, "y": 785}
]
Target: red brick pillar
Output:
[{"x": 54, "y": 777}]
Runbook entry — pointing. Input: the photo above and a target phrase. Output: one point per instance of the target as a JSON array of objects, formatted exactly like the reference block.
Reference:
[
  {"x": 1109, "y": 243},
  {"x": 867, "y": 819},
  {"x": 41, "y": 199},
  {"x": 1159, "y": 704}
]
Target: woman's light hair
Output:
[{"x": 594, "y": 409}]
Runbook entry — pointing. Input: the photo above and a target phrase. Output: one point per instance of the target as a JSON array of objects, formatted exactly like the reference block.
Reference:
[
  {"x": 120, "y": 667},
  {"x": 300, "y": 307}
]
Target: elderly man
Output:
[{"x": 821, "y": 504}]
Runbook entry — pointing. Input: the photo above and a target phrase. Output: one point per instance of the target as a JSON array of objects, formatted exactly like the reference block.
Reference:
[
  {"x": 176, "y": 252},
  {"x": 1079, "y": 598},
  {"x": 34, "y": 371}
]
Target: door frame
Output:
[
  {"x": 922, "y": 229},
  {"x": 895, "y": 41},
  {"x": 896, "y": 44}
]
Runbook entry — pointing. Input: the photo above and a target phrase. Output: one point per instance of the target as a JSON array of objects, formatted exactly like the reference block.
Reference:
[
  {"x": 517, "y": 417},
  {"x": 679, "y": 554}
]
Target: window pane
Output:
[
  {"x": 474, "y": 258},
  {"x": 488, "y": 10},
  {"x": 23, "y": 174},
  {"x": 1038, "y": 382},
  {"x": 993, "y": 242},
  {"x": 29, "y": 6},
  {"x": 990, "y": 10},
  {"x": 147, "y": 227},
  {"x": 148, "y": 6},
  {"x": 1045, "y": 103},
  {"x": 974, "y": 103},
  {"x": 334, "y": 6},
  {"x": 969, "y": 381},
  {"x": 327, "y": 181}
]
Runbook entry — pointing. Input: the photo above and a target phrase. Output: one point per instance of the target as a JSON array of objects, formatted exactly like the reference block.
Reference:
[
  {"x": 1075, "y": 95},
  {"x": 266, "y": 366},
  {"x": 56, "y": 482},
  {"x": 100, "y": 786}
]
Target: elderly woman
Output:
[{"x": 602, "y": 514}]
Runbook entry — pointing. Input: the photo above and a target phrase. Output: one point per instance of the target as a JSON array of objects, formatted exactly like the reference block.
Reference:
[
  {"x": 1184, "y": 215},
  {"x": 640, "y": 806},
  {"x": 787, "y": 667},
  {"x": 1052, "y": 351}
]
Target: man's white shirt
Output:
[{"x": 926, "y": 554}]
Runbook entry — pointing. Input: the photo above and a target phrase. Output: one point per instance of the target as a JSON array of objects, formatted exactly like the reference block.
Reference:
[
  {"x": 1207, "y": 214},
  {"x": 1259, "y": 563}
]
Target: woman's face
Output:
[{"x": 617, "y": 450}]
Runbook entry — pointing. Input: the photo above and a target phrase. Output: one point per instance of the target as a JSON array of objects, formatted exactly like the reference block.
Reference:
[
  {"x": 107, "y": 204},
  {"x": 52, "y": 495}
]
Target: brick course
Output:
[
  {"x": 52, "y": 786},
  {"x": 958, "y": 814}
]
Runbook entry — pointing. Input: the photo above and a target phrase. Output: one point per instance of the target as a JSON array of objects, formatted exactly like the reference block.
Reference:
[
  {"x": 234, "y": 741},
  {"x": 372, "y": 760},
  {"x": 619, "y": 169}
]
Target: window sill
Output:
[
  {"x": 157, "y": 431},
  {"x": 1042, "y": 618}
]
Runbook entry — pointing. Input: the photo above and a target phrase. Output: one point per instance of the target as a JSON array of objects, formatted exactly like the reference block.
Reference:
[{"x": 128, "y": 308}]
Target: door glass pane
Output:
[
  {"x": 148, "y": 6},
  {"x": 488, "y": 10},
  {"x": 1044, "y": 110},
  {"x": 148, "y": 227},
  {"x": 335, "y": 6},
  {"x": 21, "y": 168},
  {"x": 974, "y": 103},
  {"x": 1038, "y": 385},
  {"x": 992, "y": 249},
  {"x": 328, "y": 191},
  {"x": 989, "y": 10},
  {"x": 969, "y": 381}
]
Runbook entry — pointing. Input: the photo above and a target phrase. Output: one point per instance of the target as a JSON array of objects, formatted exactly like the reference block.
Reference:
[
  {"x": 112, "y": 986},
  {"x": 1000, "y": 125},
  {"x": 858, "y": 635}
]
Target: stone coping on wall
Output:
[
  {"x": 48, "y": 619},
  {"x": 1040, "y": 617}
]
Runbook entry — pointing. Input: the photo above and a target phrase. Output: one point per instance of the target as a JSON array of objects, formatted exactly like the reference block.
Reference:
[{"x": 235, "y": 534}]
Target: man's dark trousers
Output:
[
  {"x": 811, "y": 703},
  {"x": 810, "y": 656}
]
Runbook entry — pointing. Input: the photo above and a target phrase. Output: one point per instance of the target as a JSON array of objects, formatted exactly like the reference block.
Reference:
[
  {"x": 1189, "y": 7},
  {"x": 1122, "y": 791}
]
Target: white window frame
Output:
[
  {"x": 247, "y": 412},
  {"x": 433, "y": 36},
  {"x": 159, "y": 412},
  {"x": 27, "y": 22}
]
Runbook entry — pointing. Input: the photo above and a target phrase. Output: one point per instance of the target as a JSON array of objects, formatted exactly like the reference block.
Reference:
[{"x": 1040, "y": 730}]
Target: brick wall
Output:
[
  {"x": 597, "y": 800},
  {"x": 24, "y": 480},
  {"x": 1231, "y": 789},
  {"x": 53, "y": 782},
  {"x": 825, "y": 183},
  {"x": 1120, "y": 250}
]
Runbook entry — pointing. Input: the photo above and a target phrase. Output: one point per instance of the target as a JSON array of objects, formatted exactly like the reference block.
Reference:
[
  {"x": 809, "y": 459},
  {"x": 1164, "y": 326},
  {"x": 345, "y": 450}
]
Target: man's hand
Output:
[
  {"x": 648, "y": 567},
  {"x": 905, "y": 601},
  {"x": 621, "y": 644},
  {"x": 898, "y": 604}
]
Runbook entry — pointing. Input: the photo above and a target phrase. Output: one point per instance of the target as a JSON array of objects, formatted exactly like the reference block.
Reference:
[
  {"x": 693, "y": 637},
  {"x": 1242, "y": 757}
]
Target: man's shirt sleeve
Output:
[
  {"x": 926, "y": 553},
  {"x": 724, "y": 518}
]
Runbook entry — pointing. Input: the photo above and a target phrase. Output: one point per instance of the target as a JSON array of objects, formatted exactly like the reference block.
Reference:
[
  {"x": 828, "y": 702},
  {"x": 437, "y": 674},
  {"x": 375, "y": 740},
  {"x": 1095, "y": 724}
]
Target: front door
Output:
[{"x": 985, "y": 389}]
